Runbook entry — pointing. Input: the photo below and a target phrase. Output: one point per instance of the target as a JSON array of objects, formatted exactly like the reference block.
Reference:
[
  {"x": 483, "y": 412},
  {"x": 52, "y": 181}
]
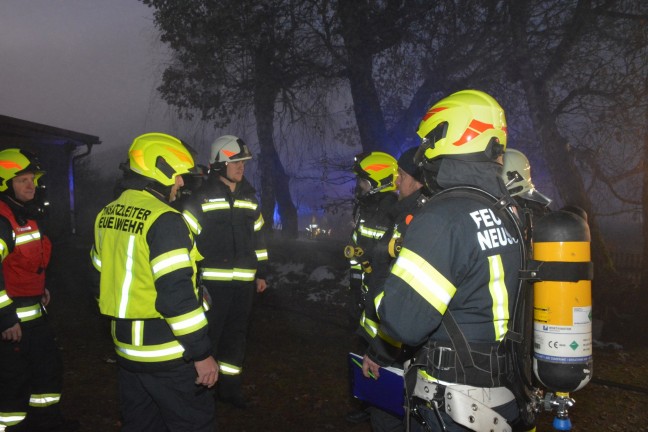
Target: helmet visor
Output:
[
  {"x": 429, "y": 142},
  {"x": 362, "y": 188},
  {"x": 534, "y": 195}
]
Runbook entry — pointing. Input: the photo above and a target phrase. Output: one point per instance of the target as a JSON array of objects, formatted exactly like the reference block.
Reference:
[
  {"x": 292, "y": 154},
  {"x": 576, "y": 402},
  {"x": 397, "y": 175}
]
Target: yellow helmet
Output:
[
  {"x": 467, "y": 125},
  {"x": 14, "y": 162},
  {"x": 160, "y": 157},
  {"x": 379, "y": 168}
]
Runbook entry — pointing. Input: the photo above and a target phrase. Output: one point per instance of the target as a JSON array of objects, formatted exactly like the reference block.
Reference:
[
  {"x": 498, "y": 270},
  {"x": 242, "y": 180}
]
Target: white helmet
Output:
[
  {"x": 228, "y": 148},
  {"x": 516, "y": 174}
]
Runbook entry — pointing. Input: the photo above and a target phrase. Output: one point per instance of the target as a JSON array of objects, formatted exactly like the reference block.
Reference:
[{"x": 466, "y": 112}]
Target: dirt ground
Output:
[{"x": 295, "y": 373}]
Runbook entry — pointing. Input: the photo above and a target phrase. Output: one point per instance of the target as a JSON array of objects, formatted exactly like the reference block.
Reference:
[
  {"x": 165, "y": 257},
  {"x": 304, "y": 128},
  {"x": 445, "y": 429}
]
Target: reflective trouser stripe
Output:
[
  {"x": 11, "y": 418},
  {"x": 43, "y": 400}
]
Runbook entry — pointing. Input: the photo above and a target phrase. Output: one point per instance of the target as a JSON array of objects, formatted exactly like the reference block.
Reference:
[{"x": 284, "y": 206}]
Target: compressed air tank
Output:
[{"x": 562, "y": 303}]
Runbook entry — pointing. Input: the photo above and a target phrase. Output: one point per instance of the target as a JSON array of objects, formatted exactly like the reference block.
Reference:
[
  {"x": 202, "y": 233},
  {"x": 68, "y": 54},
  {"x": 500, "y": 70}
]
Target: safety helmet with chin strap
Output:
[
  {"x": 379, "y": 169},
  {"x": 14, "y": 162},
  {"x": 228, "y": 148}
]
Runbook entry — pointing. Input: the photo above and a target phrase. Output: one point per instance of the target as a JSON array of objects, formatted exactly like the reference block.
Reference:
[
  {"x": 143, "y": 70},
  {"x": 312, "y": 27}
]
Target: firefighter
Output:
[
  {"x": 31, "y": 370},
  {"x": 516, "y": 174},
  {"x": 376, "y": 175},
  {"x": 225, "y": 215},
  {"x": 454, "y": 283},
  {"x": 146, "y": 259},
  {"x": 412, "y": 195}
]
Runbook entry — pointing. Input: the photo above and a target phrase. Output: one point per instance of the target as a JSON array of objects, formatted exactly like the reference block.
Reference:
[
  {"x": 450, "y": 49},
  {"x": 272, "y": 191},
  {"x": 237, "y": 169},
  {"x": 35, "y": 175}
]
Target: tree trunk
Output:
[
  {"x": 275, "y": 183},
  {"x": 643, "y": 286},
  {"x": 366, "y": 103}
]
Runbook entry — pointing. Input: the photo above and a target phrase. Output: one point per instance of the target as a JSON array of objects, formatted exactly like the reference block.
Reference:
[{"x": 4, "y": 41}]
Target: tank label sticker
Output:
[
  {"x": 562, "y": 343},
  {"x": 583, "y": 316}
]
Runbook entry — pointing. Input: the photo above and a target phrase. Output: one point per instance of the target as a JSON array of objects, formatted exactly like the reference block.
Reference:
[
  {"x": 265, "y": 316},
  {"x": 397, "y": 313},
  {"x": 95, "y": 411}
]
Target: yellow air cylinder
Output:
[{"x": 562, "y": 303}]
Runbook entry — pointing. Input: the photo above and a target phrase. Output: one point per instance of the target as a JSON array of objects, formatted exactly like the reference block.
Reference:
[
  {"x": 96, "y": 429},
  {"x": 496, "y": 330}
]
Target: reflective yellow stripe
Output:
[
  {"x": 27, "y": 238},
  {"x": 245, "y": 204},
  {"x": 43, "y": 400},
  {"x": 228, "y": 274},
  {"x": 370, "y": 326},
  {"x": 11, "y": 418},
  {"x": 96, "y": 261},
  {"x": 149, "y": 353},
  {"x": 137, "y": 332},
  {"x": 377, "y": 301},
  {"x": 4, "y": 250},
  {"x": 424, "y": 279},
  {"x": 391, "y": 341},
  {"x": 193, "y": 223},
  {"x": 4, "y": 299},
  {"x": 187, "y": 323},
  {"x": 499, "y": 294},
  {"x": 215, "y": 204},
  {"x": 371, "y": 232},
  {"x": 128, "y": 278},
  {"x": 229, "y": 369},
  {"x": 262, "y": 254},
  {"x": 259, "y": 223},
  {"x": 29, "y": 313},
  {"x": 169, "y": 262}
]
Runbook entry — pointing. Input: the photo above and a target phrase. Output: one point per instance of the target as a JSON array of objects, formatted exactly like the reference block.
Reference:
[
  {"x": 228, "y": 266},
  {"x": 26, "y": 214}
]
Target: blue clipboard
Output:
[{"x": 386, "y": 392}]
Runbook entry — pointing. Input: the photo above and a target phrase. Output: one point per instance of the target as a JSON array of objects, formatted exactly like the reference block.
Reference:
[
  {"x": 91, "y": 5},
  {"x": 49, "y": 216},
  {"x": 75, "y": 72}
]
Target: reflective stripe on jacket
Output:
[{"x": 228, "y": 228}]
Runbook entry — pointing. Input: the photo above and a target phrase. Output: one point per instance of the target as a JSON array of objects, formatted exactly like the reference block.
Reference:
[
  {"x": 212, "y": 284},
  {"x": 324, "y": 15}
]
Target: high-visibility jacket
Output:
[
  {"x": 24, "y": 268},
  {"x": 145, "y": 254},
  {"x": 228, "y": 229}
]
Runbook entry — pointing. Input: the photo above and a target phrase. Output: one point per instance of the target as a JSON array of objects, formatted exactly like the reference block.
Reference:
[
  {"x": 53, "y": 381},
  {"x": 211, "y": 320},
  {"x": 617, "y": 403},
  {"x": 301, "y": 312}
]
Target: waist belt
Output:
[
  {"x": 486, "y": 368},
  {"x": 469, "y": 406}
]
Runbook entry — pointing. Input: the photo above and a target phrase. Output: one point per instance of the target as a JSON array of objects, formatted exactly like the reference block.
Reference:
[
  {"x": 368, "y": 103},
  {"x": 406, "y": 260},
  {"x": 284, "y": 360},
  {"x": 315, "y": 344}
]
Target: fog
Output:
[{"x": 90, "y": 66}]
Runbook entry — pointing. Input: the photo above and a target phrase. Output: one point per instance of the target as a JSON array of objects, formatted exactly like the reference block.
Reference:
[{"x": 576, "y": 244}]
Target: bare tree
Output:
[
  {"x": 575, "y": 71},
  {"x": 237, "y": 57}
]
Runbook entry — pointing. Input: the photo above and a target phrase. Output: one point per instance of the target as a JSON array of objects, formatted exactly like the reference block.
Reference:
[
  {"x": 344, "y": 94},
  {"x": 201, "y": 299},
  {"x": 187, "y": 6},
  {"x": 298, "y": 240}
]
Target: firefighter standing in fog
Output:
[
  {"x": 146, "y": 258},
  {"x": 225, "y": 215}
]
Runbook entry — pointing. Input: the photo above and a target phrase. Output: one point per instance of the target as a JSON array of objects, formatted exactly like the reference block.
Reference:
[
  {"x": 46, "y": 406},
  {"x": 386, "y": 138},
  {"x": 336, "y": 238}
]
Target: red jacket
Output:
[{"x": 24, "y": 268}]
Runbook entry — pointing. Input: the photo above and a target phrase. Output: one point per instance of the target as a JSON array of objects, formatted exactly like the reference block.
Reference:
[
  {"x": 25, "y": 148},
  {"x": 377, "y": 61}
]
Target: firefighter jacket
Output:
[
  {"x": 458, "y": 255},
  {"x": 23, "y": 269},
  {"x": 144, "y": 252},
  {"x": 372, "y": 219},
  {"x": 8, "y": 315},
  {"x": 228, "y": 232},
  {"x": 401, "y": 213}
]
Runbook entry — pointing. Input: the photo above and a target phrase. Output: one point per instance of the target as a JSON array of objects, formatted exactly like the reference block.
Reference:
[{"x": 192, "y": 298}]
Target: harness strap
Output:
[{"x": 478, "y": 364}]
